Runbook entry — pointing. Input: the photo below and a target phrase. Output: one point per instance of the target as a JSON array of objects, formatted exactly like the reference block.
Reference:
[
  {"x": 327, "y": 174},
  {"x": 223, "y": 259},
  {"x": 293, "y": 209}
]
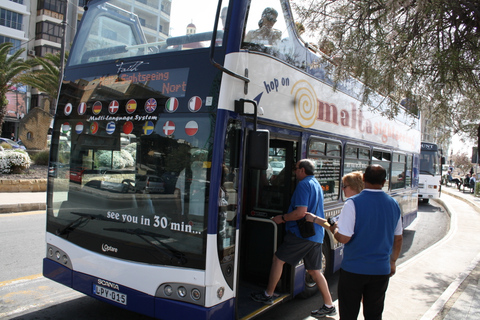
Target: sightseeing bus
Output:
[
  {"x": 430, "y": 178},
  {"x": 171, "y": 118}
]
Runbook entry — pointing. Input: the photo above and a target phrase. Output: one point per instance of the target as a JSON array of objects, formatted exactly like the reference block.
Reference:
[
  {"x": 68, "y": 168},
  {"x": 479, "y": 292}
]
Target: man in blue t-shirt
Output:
[
  {"x": 370, "y": 226},
  {"x": 308, "y": 197}
]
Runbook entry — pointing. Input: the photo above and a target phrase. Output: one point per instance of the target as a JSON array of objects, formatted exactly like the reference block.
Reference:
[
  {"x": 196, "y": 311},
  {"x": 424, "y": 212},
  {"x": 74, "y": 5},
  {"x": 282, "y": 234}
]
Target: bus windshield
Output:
[
  {"x": 429, "y": 162},
  {"x": 116, "y": 29},
  {"x": 132, "y": 188}
]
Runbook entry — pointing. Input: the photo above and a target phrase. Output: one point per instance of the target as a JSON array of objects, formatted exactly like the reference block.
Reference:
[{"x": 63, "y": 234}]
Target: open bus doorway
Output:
[{"x": 266, "y": 193}]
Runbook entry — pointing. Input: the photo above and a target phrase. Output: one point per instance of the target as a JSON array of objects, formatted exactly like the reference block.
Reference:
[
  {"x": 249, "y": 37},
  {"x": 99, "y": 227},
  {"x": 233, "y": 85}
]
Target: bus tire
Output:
[
  {"x": 311, "y": 287},
  {"x": 426, "y": 200}
]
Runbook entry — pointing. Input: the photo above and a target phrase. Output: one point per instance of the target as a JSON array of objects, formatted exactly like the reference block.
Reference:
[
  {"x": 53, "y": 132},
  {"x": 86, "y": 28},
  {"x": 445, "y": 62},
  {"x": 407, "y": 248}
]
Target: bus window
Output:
[
  {"x": 356, "y": 159},
  {"x": 327, "y": 158},
  {"x": 383, "y": 158},
  {"x": 115, "y": 29},
  {"x": 227, "y": 202},
  {"x": 273, "y": 184},
  {"x": 398, "y": 171},
  {"x": 267, "y": 30},
  {"x": 408, "y": 176}
]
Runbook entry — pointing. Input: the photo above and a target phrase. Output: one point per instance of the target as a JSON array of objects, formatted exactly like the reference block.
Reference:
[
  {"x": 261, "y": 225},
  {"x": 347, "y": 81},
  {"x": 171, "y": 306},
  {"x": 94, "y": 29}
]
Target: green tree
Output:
[
  {"x": 426, "y": 52},
  {"x": 11, "y": 66},
  {"x": 462, "y": 162},
  {"x": 47, "y": 78}
]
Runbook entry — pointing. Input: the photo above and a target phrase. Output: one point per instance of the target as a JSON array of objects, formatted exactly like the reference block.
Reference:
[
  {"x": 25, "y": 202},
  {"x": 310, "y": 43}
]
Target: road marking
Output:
[{"x": 32, "y": 277}]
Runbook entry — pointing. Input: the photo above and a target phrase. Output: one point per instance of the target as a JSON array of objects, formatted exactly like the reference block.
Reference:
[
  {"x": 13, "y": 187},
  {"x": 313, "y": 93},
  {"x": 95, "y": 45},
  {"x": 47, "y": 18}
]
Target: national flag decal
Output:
[
  {"x": 131, "y": 106},
  {"x": 66, "y": 127},
  {"x": 113, "y": 107},
  {"x": 150, "y": 105},
  {"x": 191, "y": 128},
  {"x": 171, "y": 105},
  {"x": 128, "y": 127},
  {"x": 82, "y": 108},
  {"x": 111, "y": 127},
  {"x": 68, "y": 109},
  {"x": 94, "y": 127},
  {"x": 194, "y": 104},
  {"x": 79, "y": 128},
  {"x": 148, "y": 127},
  {"x": 169, "y": 128},
  {"x": 97, "y": 107}
]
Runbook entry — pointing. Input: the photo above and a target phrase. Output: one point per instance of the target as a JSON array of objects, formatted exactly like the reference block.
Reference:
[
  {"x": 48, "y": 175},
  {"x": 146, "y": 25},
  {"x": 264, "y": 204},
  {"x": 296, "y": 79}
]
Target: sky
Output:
[{"x": 459, "y": 146}]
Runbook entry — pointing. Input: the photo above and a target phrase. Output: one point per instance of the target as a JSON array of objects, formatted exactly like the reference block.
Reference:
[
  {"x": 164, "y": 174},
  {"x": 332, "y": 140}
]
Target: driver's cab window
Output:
[{"x": 267, "y": 30}]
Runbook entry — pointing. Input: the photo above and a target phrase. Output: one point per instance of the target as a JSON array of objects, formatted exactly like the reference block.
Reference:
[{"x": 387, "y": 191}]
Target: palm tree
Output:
[
  {"x": 11, "y": 66},
  {"x": 47, "y": 78}
]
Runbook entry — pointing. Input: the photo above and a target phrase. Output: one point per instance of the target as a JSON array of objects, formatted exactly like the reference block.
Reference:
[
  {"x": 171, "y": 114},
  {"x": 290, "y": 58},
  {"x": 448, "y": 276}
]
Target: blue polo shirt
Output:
[{"x": 308, "y": 193}]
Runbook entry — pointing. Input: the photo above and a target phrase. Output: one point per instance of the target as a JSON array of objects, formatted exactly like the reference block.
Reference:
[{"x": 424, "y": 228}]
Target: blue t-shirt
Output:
[{"x": 308, "y": 193}]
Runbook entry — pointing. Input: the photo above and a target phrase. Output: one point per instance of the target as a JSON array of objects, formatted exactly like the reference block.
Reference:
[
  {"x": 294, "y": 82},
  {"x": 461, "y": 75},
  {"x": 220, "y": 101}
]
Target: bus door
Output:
[{"x": 266, "y": 193}]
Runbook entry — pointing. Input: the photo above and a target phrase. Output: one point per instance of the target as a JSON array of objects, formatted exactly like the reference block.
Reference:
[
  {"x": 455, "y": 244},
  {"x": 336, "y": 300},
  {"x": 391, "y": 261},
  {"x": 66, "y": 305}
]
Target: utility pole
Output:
[
  {"x": 62, "y": 50},
  {"x": 478, "y": 151}
]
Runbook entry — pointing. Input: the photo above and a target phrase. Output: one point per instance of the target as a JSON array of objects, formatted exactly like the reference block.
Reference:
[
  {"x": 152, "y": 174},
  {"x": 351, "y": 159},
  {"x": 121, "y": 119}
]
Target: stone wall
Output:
[
  {"x": 30, "y": 185},
  {"x": 33, "y": 129}
]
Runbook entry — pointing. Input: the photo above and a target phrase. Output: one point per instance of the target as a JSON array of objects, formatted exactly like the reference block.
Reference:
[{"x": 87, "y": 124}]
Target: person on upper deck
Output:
[{"x": 265, "y": 34}]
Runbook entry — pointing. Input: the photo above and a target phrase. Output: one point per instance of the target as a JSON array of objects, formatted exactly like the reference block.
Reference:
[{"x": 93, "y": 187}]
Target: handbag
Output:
[{"x": 306, "y": 228}]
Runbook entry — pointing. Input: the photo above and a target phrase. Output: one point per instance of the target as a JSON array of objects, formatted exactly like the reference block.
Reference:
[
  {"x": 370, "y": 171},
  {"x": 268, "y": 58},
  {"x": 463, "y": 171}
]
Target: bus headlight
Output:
[
  {"x": 196, "y": 294},
  {"x": 58, "y": 255},
  {"x": 220, "y": 292},
  {"x": 192, "y": 293},
  {"x": 168, "y": 290},
  {"x": 182, "y": 292}
]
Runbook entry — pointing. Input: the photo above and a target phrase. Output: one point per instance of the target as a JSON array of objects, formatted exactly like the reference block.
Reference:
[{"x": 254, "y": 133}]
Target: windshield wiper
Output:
[
  {"x": 81, "y": 221},
  {"x": 142, "y": 234}
]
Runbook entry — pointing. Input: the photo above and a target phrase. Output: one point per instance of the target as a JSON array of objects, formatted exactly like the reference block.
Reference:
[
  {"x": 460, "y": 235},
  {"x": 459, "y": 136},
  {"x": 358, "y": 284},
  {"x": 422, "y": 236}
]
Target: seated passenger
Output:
[
  {"x": 265, "y": 34},
  {"x": 451, "y": 179}
]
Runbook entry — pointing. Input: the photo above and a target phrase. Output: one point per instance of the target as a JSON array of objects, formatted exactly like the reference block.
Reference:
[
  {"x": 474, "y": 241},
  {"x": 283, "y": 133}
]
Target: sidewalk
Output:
[
  {"x": 443, "y": 281},
  {"x": 22, "y": 201}
]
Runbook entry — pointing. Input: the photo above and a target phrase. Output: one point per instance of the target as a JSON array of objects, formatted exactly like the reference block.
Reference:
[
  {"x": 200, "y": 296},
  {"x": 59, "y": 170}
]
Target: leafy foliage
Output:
[
  {"x": 424, "y": 53},
  {"x": 462, "y": 162},
  {"x": 11, "y": 66},
  {"x": 121, "y": 159},
  {"x": 41, "y": 158},
  {"x": 12, "y": 160},
  {"x": 47, "y": 78}
]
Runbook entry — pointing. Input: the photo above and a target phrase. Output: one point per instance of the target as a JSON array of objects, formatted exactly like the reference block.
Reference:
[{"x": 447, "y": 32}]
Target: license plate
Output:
[{"x": 109, "y": 294}]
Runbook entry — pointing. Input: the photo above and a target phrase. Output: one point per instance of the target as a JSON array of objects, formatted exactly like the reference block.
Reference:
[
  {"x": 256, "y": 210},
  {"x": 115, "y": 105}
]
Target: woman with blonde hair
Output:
[{"x": 352, "y": 184}]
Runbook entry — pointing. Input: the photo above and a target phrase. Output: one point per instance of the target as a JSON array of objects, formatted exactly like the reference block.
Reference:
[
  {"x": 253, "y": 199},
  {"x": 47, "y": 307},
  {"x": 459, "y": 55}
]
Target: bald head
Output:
[{"x": 375, "y": 175}]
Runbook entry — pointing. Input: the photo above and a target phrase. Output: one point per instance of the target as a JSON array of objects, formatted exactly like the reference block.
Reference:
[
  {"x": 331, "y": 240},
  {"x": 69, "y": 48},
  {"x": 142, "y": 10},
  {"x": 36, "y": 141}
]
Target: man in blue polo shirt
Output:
[
  {"x": 370, "y": 226},
  {"x": 308, "y": 197}
]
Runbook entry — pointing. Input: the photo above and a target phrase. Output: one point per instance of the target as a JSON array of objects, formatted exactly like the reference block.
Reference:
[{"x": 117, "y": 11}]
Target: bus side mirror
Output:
[{"x": 258, "y": 148}]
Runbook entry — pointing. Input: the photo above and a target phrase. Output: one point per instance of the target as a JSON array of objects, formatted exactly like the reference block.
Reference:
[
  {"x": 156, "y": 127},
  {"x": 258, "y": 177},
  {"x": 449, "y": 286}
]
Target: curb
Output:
[
  {"x": 21, "y": 207},
  {"x": 23, "y": 185}
]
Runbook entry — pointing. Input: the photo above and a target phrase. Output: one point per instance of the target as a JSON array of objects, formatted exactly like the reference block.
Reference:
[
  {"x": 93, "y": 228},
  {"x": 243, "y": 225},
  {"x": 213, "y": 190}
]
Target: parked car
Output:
[
  {"x": 12, "y": 143},
  {"x": 149, "y": 184},
  {"x": 277, "y": 166},
  {"x": 76, "y": 174}
]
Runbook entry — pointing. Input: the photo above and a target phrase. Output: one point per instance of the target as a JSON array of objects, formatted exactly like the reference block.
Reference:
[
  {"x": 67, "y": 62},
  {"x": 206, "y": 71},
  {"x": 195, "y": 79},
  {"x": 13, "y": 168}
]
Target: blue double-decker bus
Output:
[{"x": 177, "y": 128}]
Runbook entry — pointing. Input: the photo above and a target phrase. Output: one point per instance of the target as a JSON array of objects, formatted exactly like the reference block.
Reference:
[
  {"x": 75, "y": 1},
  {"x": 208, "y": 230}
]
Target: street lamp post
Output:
[{"x": 62, "y": 48}]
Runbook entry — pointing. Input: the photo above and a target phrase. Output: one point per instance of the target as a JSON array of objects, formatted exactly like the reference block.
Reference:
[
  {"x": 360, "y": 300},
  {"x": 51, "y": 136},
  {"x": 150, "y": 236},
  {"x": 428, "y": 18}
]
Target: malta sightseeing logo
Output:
[
  {"x": 306, "y": 102},
  {"x": 309, "y": 109}
]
